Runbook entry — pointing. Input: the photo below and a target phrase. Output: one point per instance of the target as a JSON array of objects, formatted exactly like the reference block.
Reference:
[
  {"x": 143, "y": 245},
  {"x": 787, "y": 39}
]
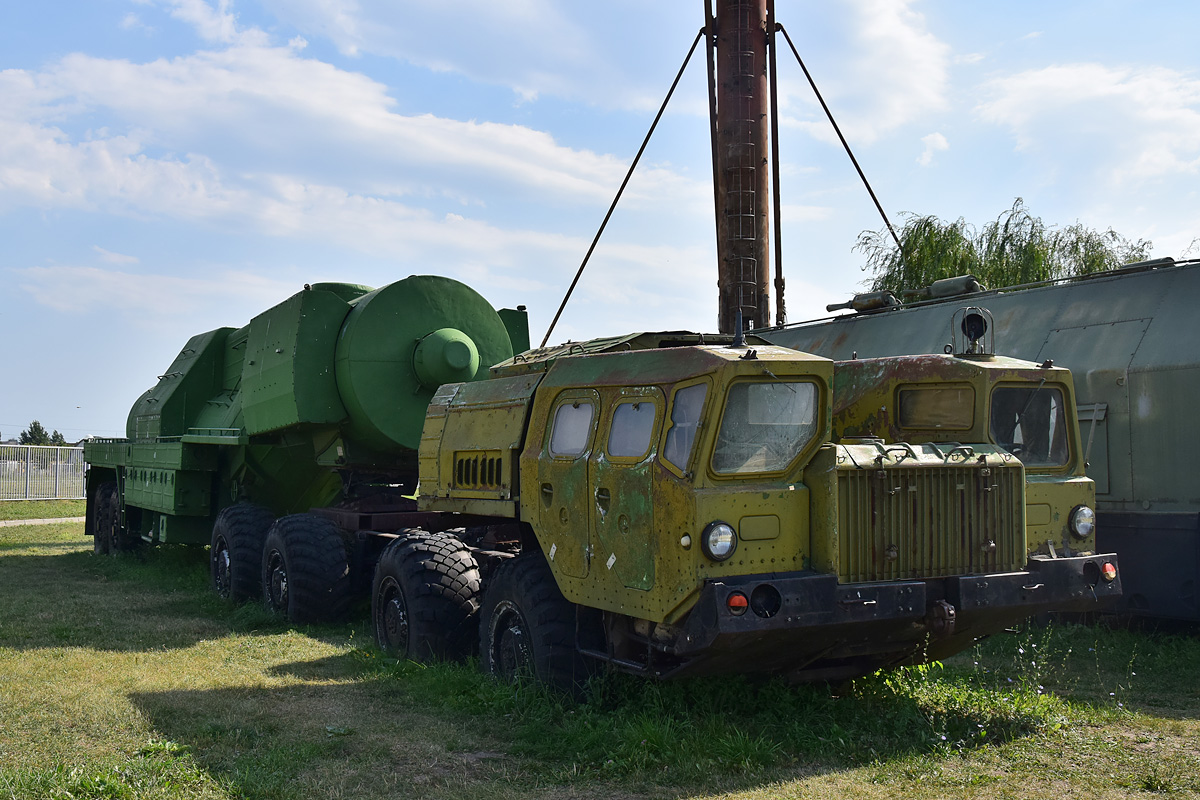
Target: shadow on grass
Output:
[
  {"x": 148, "y": 599},
  {"x": 359, "y": 716},
  {"x": 351, "y": 664}
]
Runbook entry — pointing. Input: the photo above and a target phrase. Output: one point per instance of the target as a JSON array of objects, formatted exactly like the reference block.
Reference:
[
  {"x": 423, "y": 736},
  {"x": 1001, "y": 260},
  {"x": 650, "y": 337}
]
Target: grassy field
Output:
[
  {"x": 41, "y": 509},
  {"x": 123, "y": 677}
]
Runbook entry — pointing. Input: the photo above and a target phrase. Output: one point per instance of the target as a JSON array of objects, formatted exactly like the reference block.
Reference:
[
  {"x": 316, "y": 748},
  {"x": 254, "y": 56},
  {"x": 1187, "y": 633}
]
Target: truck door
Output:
[
  {"x": 563, "y": 487},
  {"x": 622, "y": 500}
]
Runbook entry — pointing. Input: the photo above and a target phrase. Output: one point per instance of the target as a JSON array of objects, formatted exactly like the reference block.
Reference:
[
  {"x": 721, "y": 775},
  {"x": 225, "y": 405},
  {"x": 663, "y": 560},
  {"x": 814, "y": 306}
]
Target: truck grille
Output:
[
  {"x": 478, "y": 469},
  {"x": 930, "y": 522}
]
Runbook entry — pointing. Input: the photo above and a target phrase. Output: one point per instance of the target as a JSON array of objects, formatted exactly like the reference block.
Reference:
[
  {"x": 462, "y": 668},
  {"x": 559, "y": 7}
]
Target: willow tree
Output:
[{"x": 1013, "y": 249}]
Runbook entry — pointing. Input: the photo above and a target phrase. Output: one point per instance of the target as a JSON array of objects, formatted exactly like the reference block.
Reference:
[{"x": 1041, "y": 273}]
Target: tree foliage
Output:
[
  {"x": 37, "y": 434},
  {"x": 1013, "y": 249}
]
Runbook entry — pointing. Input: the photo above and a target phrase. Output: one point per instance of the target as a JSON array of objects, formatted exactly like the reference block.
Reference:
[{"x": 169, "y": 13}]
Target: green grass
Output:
[
  {"x": 123, "y": 677},
  {"x": 41, "y": 509}
]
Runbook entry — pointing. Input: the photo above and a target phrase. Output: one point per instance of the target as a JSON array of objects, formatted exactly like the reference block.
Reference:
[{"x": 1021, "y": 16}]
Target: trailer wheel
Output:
[
  {"x": 425, "y": 597},
  {"x": 527, "y": 628},
  {"x": 235, "y": 554},
  {"x": 305, "y": 572},
  {"x": 104, "y": 518},
  {"x": 115, "y": 537}
]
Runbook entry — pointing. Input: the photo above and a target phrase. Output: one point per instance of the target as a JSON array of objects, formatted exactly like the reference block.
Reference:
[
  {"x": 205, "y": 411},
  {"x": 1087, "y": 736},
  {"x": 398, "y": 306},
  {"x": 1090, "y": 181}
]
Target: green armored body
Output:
[
  {"x": 1130, "y": 339},
  {"x": 675, "y": 504}
]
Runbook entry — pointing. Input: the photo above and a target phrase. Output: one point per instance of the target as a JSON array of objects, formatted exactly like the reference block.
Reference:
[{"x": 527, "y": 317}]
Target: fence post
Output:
[{"x": 28, "y": 467}]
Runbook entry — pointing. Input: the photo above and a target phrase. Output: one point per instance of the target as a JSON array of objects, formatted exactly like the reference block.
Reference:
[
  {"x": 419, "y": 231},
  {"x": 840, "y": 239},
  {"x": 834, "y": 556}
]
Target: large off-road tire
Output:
[
  {"x": 425, "y": 598},
  {"x": 236, "y": 551},
  {"x": 104, "y": 518},
  {"x": 115, "y": 535},
  {"x": 305, "y": 573},
  {"x": 527, "y": 628}
]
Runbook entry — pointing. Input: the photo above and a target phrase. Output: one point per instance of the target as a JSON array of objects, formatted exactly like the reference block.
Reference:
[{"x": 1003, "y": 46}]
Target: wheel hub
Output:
[
  {"x": 222, "y": 574},
  {"x": 278, "y": 588},
  {"x": 512, "y": 655},
  {"x": 395, "y": 623}
]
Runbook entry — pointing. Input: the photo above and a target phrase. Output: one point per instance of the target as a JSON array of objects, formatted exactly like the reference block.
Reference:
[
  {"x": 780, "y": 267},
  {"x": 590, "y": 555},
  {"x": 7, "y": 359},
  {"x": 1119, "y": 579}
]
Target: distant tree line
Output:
[
  {"x": 1013, "y": 249},
  {"x": 36, "y": 434}
]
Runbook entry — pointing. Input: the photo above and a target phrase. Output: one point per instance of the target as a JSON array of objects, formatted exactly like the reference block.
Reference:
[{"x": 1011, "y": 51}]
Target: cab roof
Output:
[
  {"x": 653, "y": 358},
  {"x": 681, "y": 347}
]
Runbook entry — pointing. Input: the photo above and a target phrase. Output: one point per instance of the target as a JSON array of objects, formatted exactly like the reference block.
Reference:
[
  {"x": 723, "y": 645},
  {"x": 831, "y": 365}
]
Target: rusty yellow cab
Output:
[
  {"x": 1025, "y": 409},
  {"x": 688, "y": 503}
]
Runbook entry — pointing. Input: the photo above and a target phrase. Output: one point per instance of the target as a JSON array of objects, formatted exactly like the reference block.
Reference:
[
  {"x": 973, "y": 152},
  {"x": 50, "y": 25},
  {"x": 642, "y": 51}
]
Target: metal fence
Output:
[{"x": 30, "y": 472}]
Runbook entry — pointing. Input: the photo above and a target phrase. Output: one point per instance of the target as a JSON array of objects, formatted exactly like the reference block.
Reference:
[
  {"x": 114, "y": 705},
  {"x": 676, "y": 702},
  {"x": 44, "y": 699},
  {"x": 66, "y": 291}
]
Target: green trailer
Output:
[{"x": 318, "y": 402}]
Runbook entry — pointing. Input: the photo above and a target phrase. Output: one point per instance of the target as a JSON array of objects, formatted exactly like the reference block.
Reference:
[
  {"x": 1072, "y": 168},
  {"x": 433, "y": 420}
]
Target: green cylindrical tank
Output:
[{"x": 400, "y": 343}]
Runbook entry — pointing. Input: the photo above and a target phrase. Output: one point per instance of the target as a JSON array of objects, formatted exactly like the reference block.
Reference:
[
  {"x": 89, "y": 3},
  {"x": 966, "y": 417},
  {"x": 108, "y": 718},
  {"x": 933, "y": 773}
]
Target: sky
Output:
[{"x": 172, "y": 166}]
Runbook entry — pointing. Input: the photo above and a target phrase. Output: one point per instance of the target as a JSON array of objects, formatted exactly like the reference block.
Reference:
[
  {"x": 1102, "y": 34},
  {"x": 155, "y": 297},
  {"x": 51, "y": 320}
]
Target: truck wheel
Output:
[
  {"x": 527, "y": 627},
  {"x": 104, "y": 518},
  {"x": 235, "y": 555},
  {"x": 425, "y": 597},
  {"x": 111, "y": 538},
  {"x": 305, "y": 574}
]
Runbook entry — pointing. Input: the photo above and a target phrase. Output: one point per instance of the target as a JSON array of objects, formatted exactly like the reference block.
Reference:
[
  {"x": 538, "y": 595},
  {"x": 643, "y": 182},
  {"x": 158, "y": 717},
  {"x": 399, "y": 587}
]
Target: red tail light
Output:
[{"x": 737, "y": 603}]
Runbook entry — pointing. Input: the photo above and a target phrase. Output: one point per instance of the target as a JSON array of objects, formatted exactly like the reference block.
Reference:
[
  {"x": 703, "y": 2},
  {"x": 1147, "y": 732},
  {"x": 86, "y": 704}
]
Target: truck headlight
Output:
[
  {"x": 718, "y": 541},
  {"x": 1083, "y": 521}
]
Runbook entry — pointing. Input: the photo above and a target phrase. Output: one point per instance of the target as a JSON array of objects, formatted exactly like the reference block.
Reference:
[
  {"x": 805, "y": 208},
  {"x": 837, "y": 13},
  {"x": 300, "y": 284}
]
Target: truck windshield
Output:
[
  {"x": 765, "y": 426},
  {"x": 1031, "y": 423},
  {"x": 937, "y": 407}
]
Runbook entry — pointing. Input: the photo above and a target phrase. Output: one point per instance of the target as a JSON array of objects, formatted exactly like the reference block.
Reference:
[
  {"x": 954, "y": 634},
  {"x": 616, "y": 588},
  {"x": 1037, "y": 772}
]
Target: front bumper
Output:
[{"x": 817, "y": 628}]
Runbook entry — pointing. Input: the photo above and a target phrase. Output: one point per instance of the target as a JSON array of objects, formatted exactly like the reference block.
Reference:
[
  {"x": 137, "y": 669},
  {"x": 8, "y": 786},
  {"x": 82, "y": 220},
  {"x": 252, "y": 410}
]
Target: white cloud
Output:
[
  {"x": 143, "y": 297},
  {"x": 260, "y": 104},
  {"x": 110, "y": 257},
  {"x": 934, "y": 142},
  {"x": 132, "y": 22},
  {"x": 213, "y": 24},
  {"x": 1134, "y": 123},
  {"x": 889, "y": 71},
  {"x": 39, "y": 167},
  {"x": 561, "y": 53},
  {"x": 257, "y": 114},
  {"x": 796, "y": 213}
]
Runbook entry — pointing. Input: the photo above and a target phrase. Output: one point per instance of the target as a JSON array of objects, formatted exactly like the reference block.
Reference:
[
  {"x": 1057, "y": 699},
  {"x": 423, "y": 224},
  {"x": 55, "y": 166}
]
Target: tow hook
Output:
[{"x": 940, "y": 619}]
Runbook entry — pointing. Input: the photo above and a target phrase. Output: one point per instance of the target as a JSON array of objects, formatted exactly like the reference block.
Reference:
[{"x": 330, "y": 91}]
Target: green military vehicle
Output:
[
  {"x": 674, "y": 504},
  {"x": 1129, "y": 338},
  {"x": 667, "y": 504},
  {"x": 318, "y": 402}
]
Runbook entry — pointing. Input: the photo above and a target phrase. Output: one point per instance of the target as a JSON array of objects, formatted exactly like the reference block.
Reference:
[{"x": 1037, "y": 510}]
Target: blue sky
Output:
[{"x": 172, "y": 166}]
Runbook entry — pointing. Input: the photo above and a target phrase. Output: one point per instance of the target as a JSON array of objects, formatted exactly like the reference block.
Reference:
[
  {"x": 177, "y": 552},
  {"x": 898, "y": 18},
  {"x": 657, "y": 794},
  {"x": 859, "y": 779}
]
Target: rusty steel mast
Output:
[
  {"x": 740, "y": 42},
  {"x": 741, "y": 84}
]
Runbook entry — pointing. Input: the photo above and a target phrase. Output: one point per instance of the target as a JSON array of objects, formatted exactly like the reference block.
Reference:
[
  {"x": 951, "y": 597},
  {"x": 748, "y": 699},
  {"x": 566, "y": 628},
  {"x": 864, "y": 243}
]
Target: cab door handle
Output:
[{"x": 603, "y": 499}]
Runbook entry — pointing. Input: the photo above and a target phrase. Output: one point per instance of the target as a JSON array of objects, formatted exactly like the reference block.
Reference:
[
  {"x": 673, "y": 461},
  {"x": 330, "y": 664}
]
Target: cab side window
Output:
[
  {"x": 685, "y": 419},
  {"x": 572, "y": 428},
  {"x": 632, "y": 429}
]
